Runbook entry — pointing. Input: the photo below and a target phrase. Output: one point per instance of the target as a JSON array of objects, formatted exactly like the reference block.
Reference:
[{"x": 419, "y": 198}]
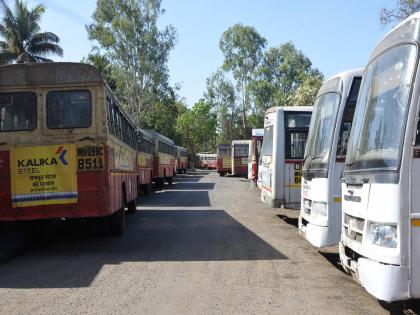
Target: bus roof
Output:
[
  {"x": 224, "y": 145},
  {"x": 258, "y": 132},
  {"x": 179, "y": 148},
  {"x": 146, "y": 134},
  {"x": 235, "y": 142},
  {"x": 406, "y": 31},
  {"x": 335, "y": 83},
  {"x": 290, "y": 109},
  {"x": 156, "y": 135},
  {"x": 49, "y": 73}
]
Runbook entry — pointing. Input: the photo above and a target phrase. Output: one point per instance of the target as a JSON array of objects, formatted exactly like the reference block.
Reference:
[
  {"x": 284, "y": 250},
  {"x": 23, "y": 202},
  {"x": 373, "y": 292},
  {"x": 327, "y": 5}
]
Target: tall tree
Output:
[
  {"x": 21, "y": 39},
  {"x": 280, "y": 76},
  {"x": 242, "y": 47},
  {"x": 221, "y": 96},
  {"x": 402, "y": 10},
  {"x": 127, "y": 31},
  {"x": 198, "y": 127}
]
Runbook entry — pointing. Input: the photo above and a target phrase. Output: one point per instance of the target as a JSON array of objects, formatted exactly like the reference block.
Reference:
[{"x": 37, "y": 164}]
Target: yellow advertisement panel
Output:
[
  {"x": 227, "y": 162},
  {"x": 43, "y": 175},
  {"x": 142, "y": 159}
]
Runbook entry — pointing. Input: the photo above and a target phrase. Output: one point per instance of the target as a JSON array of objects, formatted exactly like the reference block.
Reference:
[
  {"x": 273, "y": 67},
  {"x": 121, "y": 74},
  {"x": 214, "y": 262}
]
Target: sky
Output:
[{"x": 335, "y": 35}]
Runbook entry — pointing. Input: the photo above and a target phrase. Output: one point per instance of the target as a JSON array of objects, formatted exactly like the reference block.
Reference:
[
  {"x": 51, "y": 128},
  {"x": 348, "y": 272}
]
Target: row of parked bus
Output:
[
  {"x": 68, "y": 149},
  {"x": 351, "y": 163}
]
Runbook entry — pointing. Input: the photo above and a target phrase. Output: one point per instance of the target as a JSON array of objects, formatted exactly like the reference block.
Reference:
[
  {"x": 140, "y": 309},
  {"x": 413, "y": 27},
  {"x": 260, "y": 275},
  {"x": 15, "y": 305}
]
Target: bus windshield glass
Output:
[
  {"x": 17, "y": 111},
  {"x": 381, "y": 113},
  {"x": 241, "y": 149},
  {"x": 223, "y": 152},
  {"x": 69, "y": 109},
  {"x": 321, "y": 131},
  {"x": 267, "y": 148}
]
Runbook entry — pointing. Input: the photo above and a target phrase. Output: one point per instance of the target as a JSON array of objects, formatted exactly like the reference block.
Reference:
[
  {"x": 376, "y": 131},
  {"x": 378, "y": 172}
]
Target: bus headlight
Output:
[
  {"x": 382, "y": 235},
  {"x": 319, "y": 208}
]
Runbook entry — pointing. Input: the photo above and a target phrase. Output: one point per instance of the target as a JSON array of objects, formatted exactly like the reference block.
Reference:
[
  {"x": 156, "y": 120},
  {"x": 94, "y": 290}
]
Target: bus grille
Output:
[{"x": 353, "y": 227}]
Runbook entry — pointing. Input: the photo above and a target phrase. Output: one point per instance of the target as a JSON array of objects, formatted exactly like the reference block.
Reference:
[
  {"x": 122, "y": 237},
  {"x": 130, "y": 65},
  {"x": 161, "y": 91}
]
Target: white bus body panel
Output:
[{"x": 321, "y": 230}]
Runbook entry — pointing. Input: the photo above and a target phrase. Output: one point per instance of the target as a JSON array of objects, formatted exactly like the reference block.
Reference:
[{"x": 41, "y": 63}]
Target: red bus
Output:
[
  {"x": 181, "y": 159},
  {"x": 224, "y": 159},
  {"x": 67, "y": 149},
  {"x": 145, "y": 161},
  {"x": 241, "y": 150},
  {"x": 163, "y": 158}
]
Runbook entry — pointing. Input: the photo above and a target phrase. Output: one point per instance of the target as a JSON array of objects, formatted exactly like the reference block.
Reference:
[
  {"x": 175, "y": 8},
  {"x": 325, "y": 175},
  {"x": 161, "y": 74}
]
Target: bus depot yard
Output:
[
  {"x": 205, "y": 245},
  {"x": 317, "y": 213}
]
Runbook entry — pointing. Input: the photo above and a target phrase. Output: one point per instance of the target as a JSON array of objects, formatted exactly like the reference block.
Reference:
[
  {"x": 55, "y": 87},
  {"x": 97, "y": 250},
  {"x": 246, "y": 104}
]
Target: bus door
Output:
[{"x": 296, "y": 134}]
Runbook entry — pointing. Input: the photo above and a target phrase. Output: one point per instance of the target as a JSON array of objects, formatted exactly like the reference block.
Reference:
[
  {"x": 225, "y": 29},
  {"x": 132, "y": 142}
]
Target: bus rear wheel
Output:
[
  {"x": 169, "y": 180},
  {"x": 147, "y": 188},
  {"x": 132, "y": 207},
  {"x": 116, "y": 223},
  {"x": 159, "y": 182}
]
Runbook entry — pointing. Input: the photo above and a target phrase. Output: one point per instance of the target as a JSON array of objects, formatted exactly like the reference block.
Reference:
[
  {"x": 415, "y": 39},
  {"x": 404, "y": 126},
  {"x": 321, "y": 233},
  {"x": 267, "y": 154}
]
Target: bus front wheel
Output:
[
  {"x": 117, "y": 223},
  {"x": 169, "y": 180},
  {"x": 132, "y": 207}
]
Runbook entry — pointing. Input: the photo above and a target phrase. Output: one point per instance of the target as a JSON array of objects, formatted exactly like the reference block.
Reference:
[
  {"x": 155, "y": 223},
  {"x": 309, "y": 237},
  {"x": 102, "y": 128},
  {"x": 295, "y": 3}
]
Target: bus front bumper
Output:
[
  {"x": 315, "y": 234},
  {"x": 385, "y": 282}
]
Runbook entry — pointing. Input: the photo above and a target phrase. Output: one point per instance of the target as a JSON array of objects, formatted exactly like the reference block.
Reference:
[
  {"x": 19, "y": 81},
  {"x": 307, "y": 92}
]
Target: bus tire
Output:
[
  {"x": 147, "y": 188},
  {"x": 159, "y": 182},
  {"x": 132, "y": 207},
  {"x": 185, "y": 171},
  {"x": 169, "y": 180},
  {"x": 116, "y": 223}
]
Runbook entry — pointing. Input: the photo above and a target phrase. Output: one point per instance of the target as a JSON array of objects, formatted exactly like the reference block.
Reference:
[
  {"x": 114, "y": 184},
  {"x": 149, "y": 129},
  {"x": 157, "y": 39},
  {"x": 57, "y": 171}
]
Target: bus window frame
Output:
[
  {"x": 92, "y": 111},
  {"x": 287, "y": 133},
  {"x": 36, "y": 110}
]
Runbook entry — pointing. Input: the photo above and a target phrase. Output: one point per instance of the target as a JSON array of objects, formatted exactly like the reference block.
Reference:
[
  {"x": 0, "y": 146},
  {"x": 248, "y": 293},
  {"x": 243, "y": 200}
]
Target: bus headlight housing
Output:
[
  {"x": 382, "y": 235},
  {"x": 319, "y": 209}
]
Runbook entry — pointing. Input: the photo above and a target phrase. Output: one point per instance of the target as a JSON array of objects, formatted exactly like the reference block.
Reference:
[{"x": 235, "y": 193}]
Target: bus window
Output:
[
  {"x": 17, "y": 111},
  {"x": 69, "y": 109},
  {"x": 267, "y": 148},
  {"x": 298, "y": 120},
  {"x": 347, "y": 120},
  {"x": 295, "y": 144},
  {"x": 241, "y": 150}
]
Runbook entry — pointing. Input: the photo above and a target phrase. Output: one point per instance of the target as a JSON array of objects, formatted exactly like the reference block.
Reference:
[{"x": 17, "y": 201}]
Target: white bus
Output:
[
  {"x": 256, "y": 146},
  {"x": 285, "y": 134},
  {"x": 320, "y": 210},
  {"x": 380, "y": 239}
]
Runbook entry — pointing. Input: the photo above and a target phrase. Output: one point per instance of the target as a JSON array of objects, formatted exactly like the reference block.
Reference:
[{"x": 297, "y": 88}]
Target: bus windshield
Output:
[
  {"x": 241, "y": 149},
  {"x": 223, "y": 152},
  {"x": 267, "y": 147},
  {"x": 321, "y": 131},
  {"x": 381, "y": 113}
]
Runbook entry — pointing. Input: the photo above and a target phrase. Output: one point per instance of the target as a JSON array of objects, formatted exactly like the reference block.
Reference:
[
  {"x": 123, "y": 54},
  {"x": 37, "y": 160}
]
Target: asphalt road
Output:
[{"x": 205, "y": 245}]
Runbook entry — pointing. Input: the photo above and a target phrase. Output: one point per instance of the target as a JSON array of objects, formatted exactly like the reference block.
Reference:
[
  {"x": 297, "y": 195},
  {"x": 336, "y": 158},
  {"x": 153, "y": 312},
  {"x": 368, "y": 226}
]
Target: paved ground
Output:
[{"x": 207, "y": 245}]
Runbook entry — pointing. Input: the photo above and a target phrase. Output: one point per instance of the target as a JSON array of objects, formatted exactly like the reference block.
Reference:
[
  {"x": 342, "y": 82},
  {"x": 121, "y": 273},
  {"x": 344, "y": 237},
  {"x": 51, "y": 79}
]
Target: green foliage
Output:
[
  {"x": 197, "y": 127},
  {"x": 21, "y": 39},
  {"x": 104, "y": 66},
  {"x": 138, "y": 50},
  {"x": 306, "y": 93},
  {"x": 402, "y": 10},
  {"x": 242, "y": 47}
]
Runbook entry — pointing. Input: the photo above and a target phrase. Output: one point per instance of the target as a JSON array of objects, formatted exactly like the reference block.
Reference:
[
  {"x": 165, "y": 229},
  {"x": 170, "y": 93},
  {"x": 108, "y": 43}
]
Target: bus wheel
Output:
[
  {"x": 159, "y": 182},
  {"x": 185, "y": 171},
  {"x": 169, "y": 180},
  {"x": 132, "y": 207},
  {"x": 117, "y": 223},
  {"x": 147, "y": 188}
]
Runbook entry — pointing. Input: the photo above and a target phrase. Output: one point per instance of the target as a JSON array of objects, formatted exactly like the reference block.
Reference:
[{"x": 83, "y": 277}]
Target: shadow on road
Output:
[
  {"x": 288, "y": 220},
  {"x": 74, "y": 256},
  {"x": 176, "y": 198},
  {"x": 192, "y": 186},
  {"x": 333, "y": 259}
]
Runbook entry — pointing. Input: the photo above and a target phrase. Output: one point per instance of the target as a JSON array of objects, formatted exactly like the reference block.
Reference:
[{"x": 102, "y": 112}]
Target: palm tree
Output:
[{"x": 20, "y": 38}]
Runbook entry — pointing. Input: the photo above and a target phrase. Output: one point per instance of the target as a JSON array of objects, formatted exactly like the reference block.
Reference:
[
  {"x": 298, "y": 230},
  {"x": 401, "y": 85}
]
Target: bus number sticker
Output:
[
  {"x": 298, "y": 173},
  {"x": 43, "y": 175},
  {"x": 90, "y": 158}
]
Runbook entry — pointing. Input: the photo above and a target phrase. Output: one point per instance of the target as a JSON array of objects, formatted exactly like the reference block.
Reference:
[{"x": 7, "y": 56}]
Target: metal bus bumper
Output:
[
  {"x": 315, "y": 234},
  {"x": 385, "y": 282}
]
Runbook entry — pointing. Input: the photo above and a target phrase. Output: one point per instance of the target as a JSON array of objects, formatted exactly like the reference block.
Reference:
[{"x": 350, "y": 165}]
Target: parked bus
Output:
[
  {"x": 241, "y": 150},
  {"x": 380, "y": 240},
  {"x": 224, "y": 159},
  {"x": 257, "y": 140},
  {"x": 285, "y": 134},
  {"x": 320, "y": 211},
  {"x": 163, "y": 158},
  {"x": 145, "y": 160},
  {"x": 182, "y": 159},
  {"x": 67, "y": 149},
  {"x": 208, "y": 160}
]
